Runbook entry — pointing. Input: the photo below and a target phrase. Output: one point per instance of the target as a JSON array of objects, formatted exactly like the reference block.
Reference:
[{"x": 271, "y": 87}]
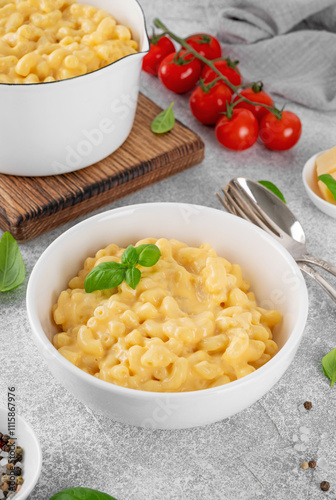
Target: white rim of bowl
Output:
[
  {"x": 38, "y": 459},
  {"x": 41, "y": 338}
]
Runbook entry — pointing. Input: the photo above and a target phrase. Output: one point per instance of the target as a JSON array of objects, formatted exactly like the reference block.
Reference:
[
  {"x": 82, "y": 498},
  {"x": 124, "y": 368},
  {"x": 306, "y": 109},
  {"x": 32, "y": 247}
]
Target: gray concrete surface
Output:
[{"x": 253, "y": 455}]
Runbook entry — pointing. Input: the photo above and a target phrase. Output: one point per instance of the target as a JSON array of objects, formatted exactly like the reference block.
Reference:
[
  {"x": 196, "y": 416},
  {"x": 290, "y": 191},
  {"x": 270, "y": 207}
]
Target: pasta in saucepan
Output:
[{"x": 48, "y": 40}]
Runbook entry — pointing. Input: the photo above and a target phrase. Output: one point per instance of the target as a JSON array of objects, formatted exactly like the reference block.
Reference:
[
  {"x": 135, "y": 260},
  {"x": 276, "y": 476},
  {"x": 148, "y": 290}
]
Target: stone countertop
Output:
[{"x": 253, "y": 455}]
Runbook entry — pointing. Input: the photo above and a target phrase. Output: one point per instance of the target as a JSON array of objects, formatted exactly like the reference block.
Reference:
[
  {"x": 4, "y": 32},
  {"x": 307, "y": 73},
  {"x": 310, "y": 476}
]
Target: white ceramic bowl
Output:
[
  {"x": 32, "y": 458},
  {"x": 57, "y": 127},
  {"x": 275, "y": 277},
  {"x": 309, "y": 178}
]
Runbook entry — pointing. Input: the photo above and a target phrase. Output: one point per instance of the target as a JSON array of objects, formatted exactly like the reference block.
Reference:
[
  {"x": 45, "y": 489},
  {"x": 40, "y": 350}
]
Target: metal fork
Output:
[{"x": 259, "y": 218}]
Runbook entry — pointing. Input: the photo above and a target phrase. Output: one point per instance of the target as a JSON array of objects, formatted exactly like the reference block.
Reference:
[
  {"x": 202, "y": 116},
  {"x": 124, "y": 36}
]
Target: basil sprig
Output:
[
  {"x": 330, "y": 182},
  {"x": 111, "y": 274},
  {"x": 164, "y": 121},
  {"x": 275, "y": 190},
  {"x": 329, "y": 366},
  {"x": 12, "y": 268},
  {"x": 81, "y": 494}
]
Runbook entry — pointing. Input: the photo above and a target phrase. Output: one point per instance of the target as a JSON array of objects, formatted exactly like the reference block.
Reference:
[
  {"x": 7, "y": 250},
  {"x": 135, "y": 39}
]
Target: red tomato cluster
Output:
[
  {"x": 242, "y": 129},
  {"x": 238, "y": 124}
]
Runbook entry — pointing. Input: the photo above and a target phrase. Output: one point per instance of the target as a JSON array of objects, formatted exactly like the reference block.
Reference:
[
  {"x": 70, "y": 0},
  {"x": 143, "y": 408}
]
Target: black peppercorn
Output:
[
  {"x": 308, "y": 405},
  {"x": 17, "y": 471},
  {"x": 312, "y": 464},
  {"x": 17, "y": 458},
  {"x": 5, "y": 438},
  {"x": 324, "y": 486}
]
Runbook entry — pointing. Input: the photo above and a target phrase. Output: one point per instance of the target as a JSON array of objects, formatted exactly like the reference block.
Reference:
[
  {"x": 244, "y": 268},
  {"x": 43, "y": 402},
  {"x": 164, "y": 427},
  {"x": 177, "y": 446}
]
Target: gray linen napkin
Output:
[{"x": 288, "y": 44}]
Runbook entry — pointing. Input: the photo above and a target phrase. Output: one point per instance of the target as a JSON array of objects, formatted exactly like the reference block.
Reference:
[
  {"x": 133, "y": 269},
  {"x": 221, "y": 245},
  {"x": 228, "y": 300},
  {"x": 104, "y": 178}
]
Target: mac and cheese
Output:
[
  {"x": 190, "y": 324},
  {"x": 48, "y": 40}
]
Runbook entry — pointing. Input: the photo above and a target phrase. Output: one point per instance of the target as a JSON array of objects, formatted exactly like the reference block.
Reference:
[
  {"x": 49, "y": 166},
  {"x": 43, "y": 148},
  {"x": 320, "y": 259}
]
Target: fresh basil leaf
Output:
[
  {"x": 272, "y": 187},
  {"x": 111, "y": 274},
  {"x": 149, "y": 255},
  {"x": 129, "y": 256},
  {"x": 12, "y": 268},
  {"x": 81, "y": 494},
  {"x": 111, "y": 265},
  {"x": 164, "y": 121},
  {"x": 330, "y": 182},
  {"x": 329, "y": 366},
  {"x": 104, "y": 276},
  {"x": 132, "y": 277},
  {"x": 140, "y": 248}
]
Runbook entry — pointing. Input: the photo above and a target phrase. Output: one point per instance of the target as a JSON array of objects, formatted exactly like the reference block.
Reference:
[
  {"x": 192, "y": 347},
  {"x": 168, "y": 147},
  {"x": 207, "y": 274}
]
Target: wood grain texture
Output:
[{"x": 30, "y": 206}]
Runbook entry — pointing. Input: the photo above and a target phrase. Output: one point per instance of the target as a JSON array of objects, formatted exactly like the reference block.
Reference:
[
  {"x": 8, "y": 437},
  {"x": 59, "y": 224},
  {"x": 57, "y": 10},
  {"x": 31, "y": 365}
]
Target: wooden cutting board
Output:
[{"x": 30, "y": 206}]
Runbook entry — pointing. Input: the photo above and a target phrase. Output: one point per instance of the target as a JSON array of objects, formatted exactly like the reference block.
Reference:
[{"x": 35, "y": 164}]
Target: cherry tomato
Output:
[
  {"x": 180, "y": 76},
  {"x": 238, "y": 133},
  {"x": 280, "y": 134},
  {"x": 206, "y": 45},
  {"x": 208, "y": 106},
  {"x": 231, "y": 73},
  {"x": 261, "y": 96},
  {"x": 157, "y": 52}
]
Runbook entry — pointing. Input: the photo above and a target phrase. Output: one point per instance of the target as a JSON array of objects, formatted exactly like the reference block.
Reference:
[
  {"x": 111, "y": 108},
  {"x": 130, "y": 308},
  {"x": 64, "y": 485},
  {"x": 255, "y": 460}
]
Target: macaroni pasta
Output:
[
  {"x": 48, "y": 40},
  {"x": 190, "y": 324}
]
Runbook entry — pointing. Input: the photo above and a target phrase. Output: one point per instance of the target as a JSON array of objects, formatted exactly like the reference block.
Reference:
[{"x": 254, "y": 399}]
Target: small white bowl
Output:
[
  {"x": 309, "y": 177},
  {"x": 275, "y": 277},
  {"x": 32, "y": 454}
]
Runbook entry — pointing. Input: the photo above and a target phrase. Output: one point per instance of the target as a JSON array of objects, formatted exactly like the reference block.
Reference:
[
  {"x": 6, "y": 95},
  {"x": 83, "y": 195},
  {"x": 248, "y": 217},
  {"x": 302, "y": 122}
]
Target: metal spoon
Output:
[{"x": 259, "y": 205}]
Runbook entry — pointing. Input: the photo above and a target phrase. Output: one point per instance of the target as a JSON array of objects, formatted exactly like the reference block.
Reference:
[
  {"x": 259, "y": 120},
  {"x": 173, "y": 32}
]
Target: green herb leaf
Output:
[
  {"x": 149, "y": 255},
  {"x": 12, "y": 268},
  {"x": 130, "y": 256},
  {"x": 329, "y": 366},
  {"x": 140, "y": 248},
  {"x": 164, "y": 121},
  {"x": 111, "y": 274},
  {"x": 133, "y": 276},
  {"x": 330, "y": 182},
  {"x": 81, "y": 494},
  {"x": 104, "y": 276},
  {"x": 272, "y": 187}
]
